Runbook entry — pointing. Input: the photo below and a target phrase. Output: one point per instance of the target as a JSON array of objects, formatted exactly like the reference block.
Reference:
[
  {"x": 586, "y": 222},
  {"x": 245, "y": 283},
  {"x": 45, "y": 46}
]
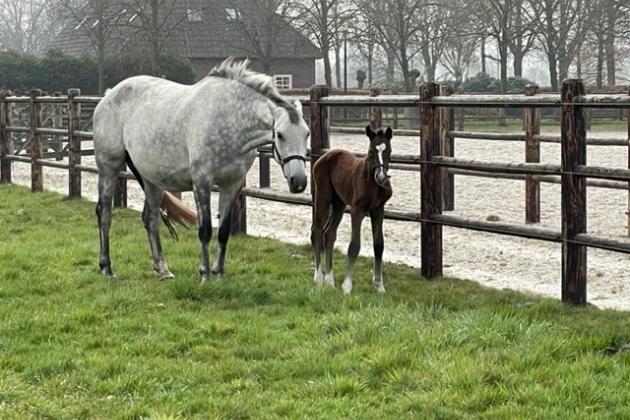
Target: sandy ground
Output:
[{"x": 492, "y": 260}]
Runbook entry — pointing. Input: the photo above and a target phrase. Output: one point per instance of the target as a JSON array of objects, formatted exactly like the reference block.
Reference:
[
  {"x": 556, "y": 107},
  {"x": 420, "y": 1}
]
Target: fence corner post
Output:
[
  {"x": 531, "y": 123},
  {"x": 5, "y": 139},
  {"x": 37, "y": 172},
  {"x": 74, "y": 149},
  {"x": 447, "y": 125},
  {"x": 430, "y": 184},
  {"x": 375, "y": 112},
  {"x": 573, "y": 139}
]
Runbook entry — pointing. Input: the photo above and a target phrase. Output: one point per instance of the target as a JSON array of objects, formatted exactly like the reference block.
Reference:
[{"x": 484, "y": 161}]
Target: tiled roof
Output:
[{"x": 213, "y": 36}]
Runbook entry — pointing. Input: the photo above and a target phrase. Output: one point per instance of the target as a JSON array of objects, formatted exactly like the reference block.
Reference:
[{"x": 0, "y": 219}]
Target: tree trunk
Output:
[
  {"x": 610, "y": 60},
  {"x": 518, "y": 63},
  {"x": 389, "y": 70},
  {"x": 483, "y": 56},
  {"x": 327, "y": 67},
  {"x": 338, "y": 64},
  {"x": 599, "y": 78}
]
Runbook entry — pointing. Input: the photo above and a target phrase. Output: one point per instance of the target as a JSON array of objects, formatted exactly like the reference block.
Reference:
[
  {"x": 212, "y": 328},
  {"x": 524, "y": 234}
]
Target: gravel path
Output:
[{"x": 492, "y": 260}]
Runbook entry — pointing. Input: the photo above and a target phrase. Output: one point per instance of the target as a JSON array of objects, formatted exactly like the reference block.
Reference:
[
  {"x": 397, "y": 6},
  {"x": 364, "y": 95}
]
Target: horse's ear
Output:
[
  {"x": 389, "y": 133},
  {"x": 298, "y": 106},
  {"x": 369, "y": 132}
]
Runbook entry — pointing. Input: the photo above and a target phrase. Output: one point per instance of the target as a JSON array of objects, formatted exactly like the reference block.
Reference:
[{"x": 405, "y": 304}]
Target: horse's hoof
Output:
[
  {"x": 329, "y": 279},
  {"x": 346, "y": 287},
  {"x": 166, "y": 275},
  {"x": 219, "y": 275},
  {"x": 380, "y": 288},
  {"x": 318, "y": 277},
  {"x": 107, "y": 272}
]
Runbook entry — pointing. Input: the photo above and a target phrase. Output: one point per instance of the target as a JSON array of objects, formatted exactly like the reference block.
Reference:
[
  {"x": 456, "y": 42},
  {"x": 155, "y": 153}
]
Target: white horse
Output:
[{"x": 180, "y": 138}]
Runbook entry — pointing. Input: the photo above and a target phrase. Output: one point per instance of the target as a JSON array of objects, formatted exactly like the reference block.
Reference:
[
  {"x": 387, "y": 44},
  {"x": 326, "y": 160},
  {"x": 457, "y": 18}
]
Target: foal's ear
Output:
[
  {"x": 369, "y": 132},
  {"x": 389, "y": 133},
  {"x": 298, "y": 107}
]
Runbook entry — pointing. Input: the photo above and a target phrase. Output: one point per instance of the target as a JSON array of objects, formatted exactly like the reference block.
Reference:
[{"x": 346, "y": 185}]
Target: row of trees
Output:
[
  {"x": 445, "y": 38},
  {"x": 586, "y": 36}
]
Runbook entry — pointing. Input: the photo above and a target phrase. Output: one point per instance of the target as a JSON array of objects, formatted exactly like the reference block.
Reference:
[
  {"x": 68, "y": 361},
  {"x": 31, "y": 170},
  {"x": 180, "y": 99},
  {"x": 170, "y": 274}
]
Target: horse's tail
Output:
[{"x": 171, "y": 209}]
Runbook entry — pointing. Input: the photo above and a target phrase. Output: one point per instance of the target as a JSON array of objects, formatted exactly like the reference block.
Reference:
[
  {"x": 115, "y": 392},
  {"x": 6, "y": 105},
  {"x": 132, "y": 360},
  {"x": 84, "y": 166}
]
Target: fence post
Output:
[
  {"x": 573, "y": 138},
  {"x": 74, "y": 149},
  {"x": 447, "y": 124},
  {"x": 37, "y": 173},
  {"x": 264, "y": 175},
  {"x": 531, "y": 122},
  {"x": 376, "y": 112},
  {"x": 430, "y": 184},
  {"x": 57, "y": 122},
  {"x": 319, "y": 124},
  {"x": 5, "y": 139},
  {"x": 628, "y": 212}
]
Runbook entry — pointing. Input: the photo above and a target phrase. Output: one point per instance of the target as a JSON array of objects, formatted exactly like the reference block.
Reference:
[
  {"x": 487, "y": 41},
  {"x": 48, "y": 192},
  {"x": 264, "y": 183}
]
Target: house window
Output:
[
  {"x": 283, "y": 81},
  {"x": 194, "y": 15},
  {"x": 232, "y": 14}
]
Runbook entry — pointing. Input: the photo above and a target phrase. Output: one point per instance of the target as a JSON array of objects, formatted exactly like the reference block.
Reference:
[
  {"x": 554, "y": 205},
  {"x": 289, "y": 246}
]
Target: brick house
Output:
[{"x": 206, "y": 32}]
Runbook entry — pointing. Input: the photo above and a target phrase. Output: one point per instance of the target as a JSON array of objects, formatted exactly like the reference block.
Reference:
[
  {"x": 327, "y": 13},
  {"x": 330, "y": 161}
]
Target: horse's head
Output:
[
  {"x": 379, "y": 153},
  {"x": 289, "y": 144}
]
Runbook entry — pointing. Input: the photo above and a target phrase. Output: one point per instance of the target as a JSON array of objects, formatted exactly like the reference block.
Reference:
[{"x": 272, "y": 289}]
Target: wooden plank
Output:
[
  {"x": 503, "y": 167},
  {"x": 37, "y": 172},
  {"x": 531, "y": 120},
  {"x": 430, "y": 184},
  {"x": 74, "y": 151},
  {"x": 6, "y": 145},
  {"x": 447, "y": 125},
  {"x": 574, "y": 256}
]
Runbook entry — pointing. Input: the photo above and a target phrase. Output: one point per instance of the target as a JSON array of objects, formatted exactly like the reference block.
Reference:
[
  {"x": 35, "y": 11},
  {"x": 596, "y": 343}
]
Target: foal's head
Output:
[{"x": 379, "y": 153}]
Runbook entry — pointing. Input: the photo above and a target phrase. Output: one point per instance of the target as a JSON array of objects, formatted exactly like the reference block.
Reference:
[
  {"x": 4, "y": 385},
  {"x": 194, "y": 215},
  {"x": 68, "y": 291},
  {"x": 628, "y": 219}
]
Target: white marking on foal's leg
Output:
[
  {"x": 318, "y": 277},
  {"x": 377, "y": 281},
  {"x": 347, "y": 284},
  {"x": 329, "y": 279}
]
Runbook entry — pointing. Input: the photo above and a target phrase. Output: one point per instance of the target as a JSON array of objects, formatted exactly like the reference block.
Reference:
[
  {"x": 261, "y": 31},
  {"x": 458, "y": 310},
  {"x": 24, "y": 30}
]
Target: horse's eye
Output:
[{"x": 280, "y": 137}]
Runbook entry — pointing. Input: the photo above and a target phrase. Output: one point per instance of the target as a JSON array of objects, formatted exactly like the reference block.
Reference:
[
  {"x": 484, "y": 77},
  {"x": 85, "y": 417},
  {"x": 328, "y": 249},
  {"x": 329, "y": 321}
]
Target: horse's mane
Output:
[{"x": 261, "y": 83}]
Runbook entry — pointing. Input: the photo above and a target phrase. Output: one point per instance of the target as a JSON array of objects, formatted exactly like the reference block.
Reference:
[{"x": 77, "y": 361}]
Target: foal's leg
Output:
[
  {"x": 354, "y": 248},
  {"x": 320, "y": 215},
  {"x": 226, "y": 200},
  {"x": 201, "y": 192},
  {"x": 330, "y": 236},
  {"x": 376, "y": 217},
  {"x": 106, "y": 185},
  {"x": 151, "y": 219}
]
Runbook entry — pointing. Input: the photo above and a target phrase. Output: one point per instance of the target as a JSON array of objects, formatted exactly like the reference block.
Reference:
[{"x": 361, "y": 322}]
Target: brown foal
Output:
[{"x": 341, "y": 179}]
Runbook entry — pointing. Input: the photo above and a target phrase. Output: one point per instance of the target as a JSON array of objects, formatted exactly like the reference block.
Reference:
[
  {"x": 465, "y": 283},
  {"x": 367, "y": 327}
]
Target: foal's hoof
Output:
[
  {"x": 318, "y": 277},
  {"x": 346, "y": 286},
  {"x": 380, "y": 288},
  {"x": 107, "y": 272}
]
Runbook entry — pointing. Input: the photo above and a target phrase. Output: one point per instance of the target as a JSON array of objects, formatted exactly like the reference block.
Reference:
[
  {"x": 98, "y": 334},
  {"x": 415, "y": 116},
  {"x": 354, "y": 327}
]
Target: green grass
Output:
[{"x": 265, "y": 343}]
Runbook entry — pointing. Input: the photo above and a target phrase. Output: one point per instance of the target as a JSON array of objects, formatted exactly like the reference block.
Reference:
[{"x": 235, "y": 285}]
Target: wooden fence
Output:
[{"x": 436, "y": 163}]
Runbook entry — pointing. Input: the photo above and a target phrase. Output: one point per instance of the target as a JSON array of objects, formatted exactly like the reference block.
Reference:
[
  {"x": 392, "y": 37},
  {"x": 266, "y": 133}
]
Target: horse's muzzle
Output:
[
  {"x": 380, "y": 177},
  {"x": 297, "y": 184}
]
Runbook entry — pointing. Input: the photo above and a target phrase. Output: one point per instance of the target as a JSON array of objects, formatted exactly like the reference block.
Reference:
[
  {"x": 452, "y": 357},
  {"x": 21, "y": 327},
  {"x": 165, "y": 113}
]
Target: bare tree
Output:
[
  {"x": 560, "y": 30},
  {"x": 99, "y": 22},
  {"x": 322, "y": 21},
  {"x": 26, "y": 25},
  {"x": 152, "y": 23},
  {"x": 399, "y": 28},
  {"x": 439, "y": 19},
  {"x": 260, "y": 22}
]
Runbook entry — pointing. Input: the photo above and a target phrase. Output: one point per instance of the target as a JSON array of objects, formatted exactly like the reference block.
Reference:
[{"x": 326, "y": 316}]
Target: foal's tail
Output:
[{"x": 171, "y": 209}]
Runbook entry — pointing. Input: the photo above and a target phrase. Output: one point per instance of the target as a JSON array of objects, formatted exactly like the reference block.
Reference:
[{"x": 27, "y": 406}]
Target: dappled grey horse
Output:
[{"x": 180, "y": 138}]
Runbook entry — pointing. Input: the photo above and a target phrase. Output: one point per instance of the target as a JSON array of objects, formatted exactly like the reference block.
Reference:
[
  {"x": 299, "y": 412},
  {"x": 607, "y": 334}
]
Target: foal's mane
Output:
[{"x": 261, "y": 83}]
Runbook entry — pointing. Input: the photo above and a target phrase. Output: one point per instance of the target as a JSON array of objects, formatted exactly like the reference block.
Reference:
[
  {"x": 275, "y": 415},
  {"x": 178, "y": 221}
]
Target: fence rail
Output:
[{"x": 436, "y": 163}]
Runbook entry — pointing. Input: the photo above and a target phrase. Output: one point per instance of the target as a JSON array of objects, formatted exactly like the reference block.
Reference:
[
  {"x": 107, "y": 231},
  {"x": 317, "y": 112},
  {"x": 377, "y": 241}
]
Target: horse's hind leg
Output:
[
  {"x": 204, "y": 222},
  {"x": 376, "y": 217},
  {"x": 354, "y": 248},
  {"x": 226, "y": 200},
  {"x": 330, "y": 236},
  {"x": 106, "y": 185},
  {"x": 151, "y": 219}
]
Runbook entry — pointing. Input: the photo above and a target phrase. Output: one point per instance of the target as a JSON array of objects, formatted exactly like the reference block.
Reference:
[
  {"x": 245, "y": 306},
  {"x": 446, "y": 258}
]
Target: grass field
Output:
[{"x": 265, "y": 343}]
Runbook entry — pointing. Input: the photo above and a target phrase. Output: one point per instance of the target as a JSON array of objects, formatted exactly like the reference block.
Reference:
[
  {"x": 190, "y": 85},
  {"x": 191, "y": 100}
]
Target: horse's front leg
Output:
[
  {"x": 354, "y": 248},
  {"x": 204, "y": 223},
  {"x": 376, "y": 217},
  {"x": 226, "y": 201}
]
